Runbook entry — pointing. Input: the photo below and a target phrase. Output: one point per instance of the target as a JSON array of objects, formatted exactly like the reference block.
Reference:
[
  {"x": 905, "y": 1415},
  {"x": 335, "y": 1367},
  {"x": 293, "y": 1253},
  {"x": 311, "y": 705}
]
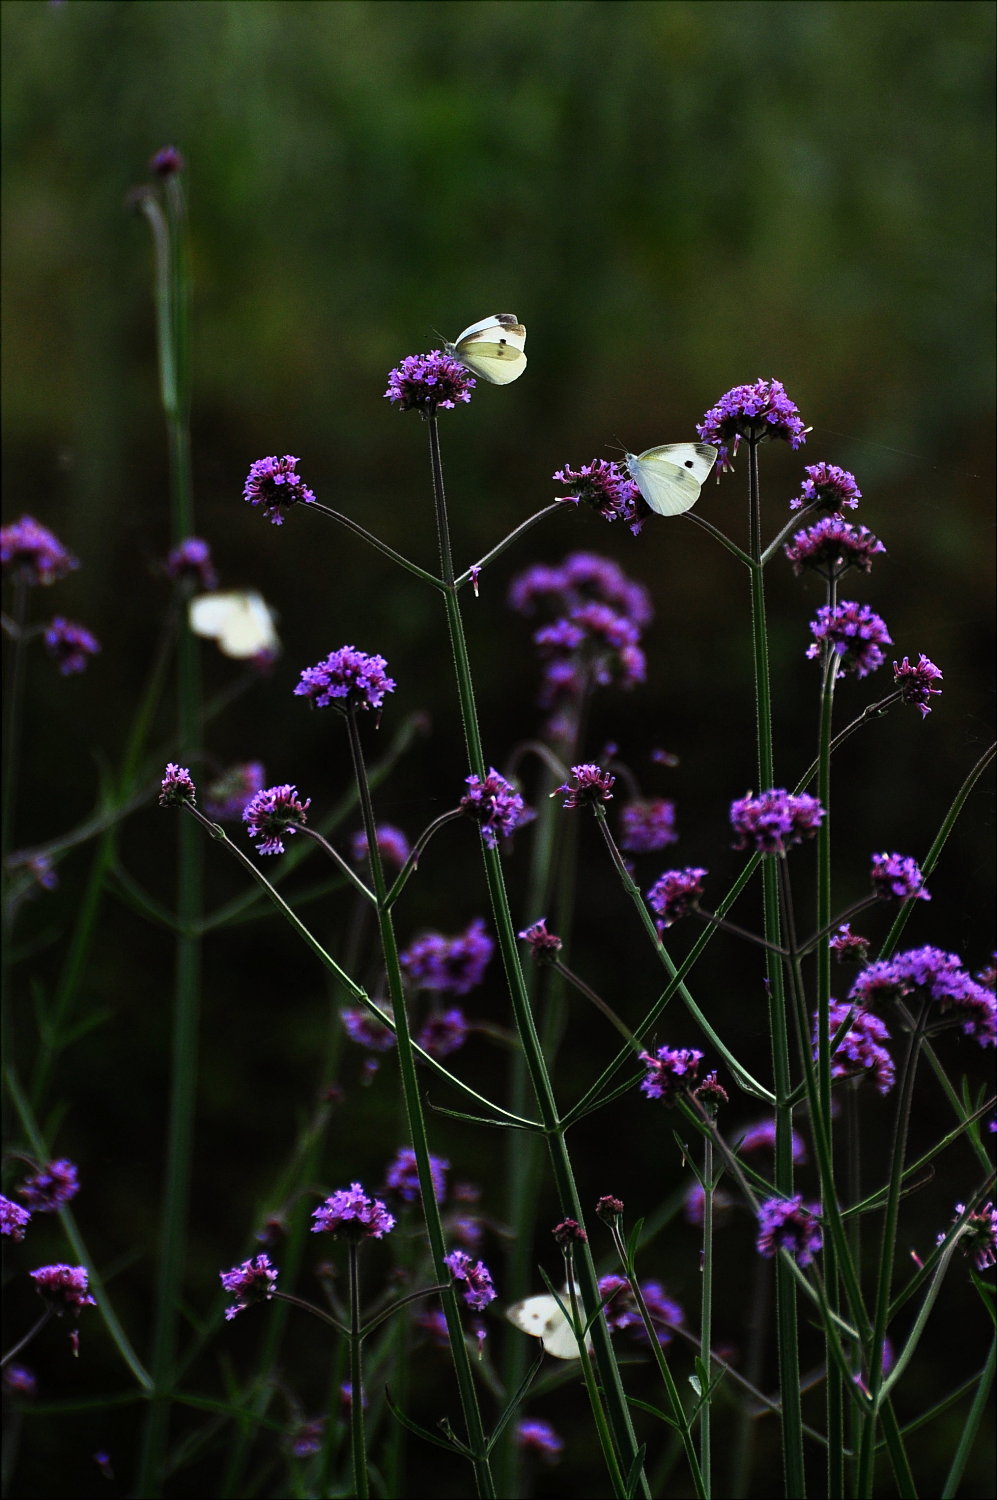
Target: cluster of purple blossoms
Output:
[
  {"x": 449, "y": 965},
  {"x": 607, "y": 489},
  {"x": 191, "y": 560},
  {"x": 346, "y": 679},
  {"x": 917, "y": 684},
  {"x": 51, "y": 1187},
  {"x": 350, "y": 1213},
  {"x": 536, "y": 1436},
  {"x": 897, "y": 877},
  {"x": 253, "y": 1281},
  {"x": 427, "y": 382},
  {"x": 366, "y": 1030},
  {"x": 306, "y": 1439},
  {"x": 829, "y": 487},
  {"x": 495, "y": 804},
  {"x": 854, "y": 632},
  {"x": 64, "y": 1288},
  {"x": 670, "y": 1072},
  {"x": 70, "y": 645},
  {"x": 392, "y": 845},
  {"x": 32, "y": 554},
  {"x": 177, "y": 786},
  {"x": 785, "y": 1224},
  {"x": 675, "y": 893},
  {"x": 443, "y": 1032},
  {"x": 274, "y": 814},
  {"x": 833, "y": 546},
  {"x": 591, "y": 787},
  {"x": 166, "y": 162},
  {"x": 761, "y": 1137},
  {"x": 758, "y": 411},
  {"x": 227, "y": 797},
  {"x": 403, "y": 1176},
  {"x": 941, "y": 978},
  {"x": 647, "y": 824},
  {"x": 774, "y": 820},
  {"x": 275, "y": 484},
  {"x": 979, "y": 1235},
  {"x": 14, "y": 1219},
  {"x": 848, "y": 946},
  {"x": 479, "y": 1290},
  {"x": 622, "y": 1310},
  {"x": 18, "y": 1380},
  {"x": 861, "y": 1049},
  {"x": 582, "y": 578},
  {"x": 694, "y": 1204},
  {"x": 544, "y": 945}
]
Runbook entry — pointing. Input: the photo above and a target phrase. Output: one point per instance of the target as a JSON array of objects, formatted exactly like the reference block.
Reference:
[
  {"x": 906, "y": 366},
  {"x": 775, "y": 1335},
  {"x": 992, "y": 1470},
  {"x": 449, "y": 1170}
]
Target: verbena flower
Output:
[
  {"x": 758, "y": 411},
  {"x": 64, "y": 1288},
  {"x": 227, "y": 797},
  {"x": 536, "y": 1436},
  {"x": 646, "y": 824},
  {"x": 774, "y": 820},
  {"x": 427, "y": 382},
  {"x": 670, "y": 1073},
  {"x": 451, "y": 965},
  {"x": 273, "y": 815},
  {"x": 694, "y": 1205},
  {"x": 30, "y": 552},
  {"x": 479, "y": 1290},
  {"x": 916, "y": 684},
  {"x": 275, "y": 484},
  {"x": 443, "y": 1032},
  {"x": 761, "y": 1137},
  {"x": 366, "y": 1030},
  {"x": 569, "y": 1232},
  {"x": 978, "y": 1240},
  {"x": 392, "y": 845},
  {"x": 253, "y": 1281},
  {"x": 591, "y": 787},
  {"x": 403, "y": 1175},
  {"x": 351, "y": 1214},
  {"x": 191, "y": 560},
  {"x": 495, "y": 804},
  {"x": 18, "y": 1380},
  {"x": 347, "y": 679},
  {"x": 829, "y": 486},
  {"x": 711, "y": 1093},
  {"x": 582, "y": 578},
  {"x": 848, "y": 946},
  {"x": 832, "y": 546},
  {"x": 51, "y": 1187},
  {"x": 600, "y": 644},
  {"x": 176, "y": 787},
  {"x": 622, "y": 1311},
  {"x": 166, "y": 162},
  {"x": 854, "y": 632},
  {"x": 861, "y": 1049},
  {"x": 607, "y": 490},
  {"x": 544, "y": 945},
  {"x": 609, "y": 1209},
  {"x": 70, "y": 645},
  {"x": 942, "y": 978},
  {"x": 14, "y": 1219},
  {"x": 785, "y": 1224},
  {"x": 306, "y": 1440},
  {"x": 897, "y": 876},
  {"x": 676, "y": 893}
]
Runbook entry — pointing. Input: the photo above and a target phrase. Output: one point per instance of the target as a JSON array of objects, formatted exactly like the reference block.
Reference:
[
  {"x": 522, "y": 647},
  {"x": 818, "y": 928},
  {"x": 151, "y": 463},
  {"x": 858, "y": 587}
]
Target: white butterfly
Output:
[
  {"x": 492, "y": 348},
  {"x": 241, "y": 623},
  {"x": 542, "y": 1318},
  {"x": 670, "y": 478}
]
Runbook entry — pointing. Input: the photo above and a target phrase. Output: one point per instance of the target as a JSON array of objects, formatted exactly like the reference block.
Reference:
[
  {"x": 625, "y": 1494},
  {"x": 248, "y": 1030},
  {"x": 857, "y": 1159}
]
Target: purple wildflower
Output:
[
  {"x": 306, "y": 1440},
  {"x": 670, "y": 1072},
  {"x": 833, "y": 546},
  {"x": 452, "y": 965},
  {"x": 227, "y": 796},
  {"x": 403, "y": 1175},
  {"x": 591, "y": 787},
  {"x": 761, "y": 1137},
  {"x": 42, "y": 871},
  {"x": 861, "y": 1048},
  {"x": 443, "y": 1032},
  {"x": 51, "y": 1187},
  {"x": 916, "y": 683},
  {"x": 544, "y": 945},
  {"x": 176, "y": 786},
  {"x": 569, "y": 1232},
  {"x": 349, "y": 1212},
  {"x": 434, "y": 1321},
  {"x": 495, "y": 804},
  {"x": 694, "y": 1204},
  {"x": 366, "y": 1030},
  {"x": 70, "y": 645},
  {"x": 276, "y": 484},
  {"x": 604, "y": 487},
  {"x": 711, "y": 1093},
  {"x": 978, "y": 1239},
  {"x": 828, "y": 486},
  {"x": 622, "y": 1311},
  {"x": 191, "y": 560},
  {"x": 392, "y": 845},
  {"x": 609, "y": 1209},
  {"x": 273, "y": 815},
  {"x": 758, "y": 411},
  {"x": 848, "y": 946},
  {"x": 18, "y": 1380},
  {"x": 675, "y": 893},
  {"x": 346, "y": 679},
  {"x": 785, "y": 1224},
  {"x": 854, "y": 632},
  {"x": 31, "y": 553},
  {"x": 646, "y": 824},
  {"x": 253, "y": 1281},
  {"x": 480, "y": 1290},
  {"x": 943, "y": 979},
  {"x": 427, "y": 382},
  {"x": 774, "y": 820},
  {"x": 897, "y": 877},
  {"x": 14, "y": 1219},
  {"x": 166, "y": 162},
  {"x": 591, "y": 645},
  {"x": 583, "y": 577},
  {"x": 64, "y": 1288},
  {"x": 535, "y": 1436}
]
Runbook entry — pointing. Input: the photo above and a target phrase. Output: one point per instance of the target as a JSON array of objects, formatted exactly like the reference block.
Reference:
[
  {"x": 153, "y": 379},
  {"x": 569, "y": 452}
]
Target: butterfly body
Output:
[
  {"x": 671, "y": 477},
  {"x": 542, "y": 1318},
  {"x": 241, "y": 623},
  {"x": 492, "y": 349}
]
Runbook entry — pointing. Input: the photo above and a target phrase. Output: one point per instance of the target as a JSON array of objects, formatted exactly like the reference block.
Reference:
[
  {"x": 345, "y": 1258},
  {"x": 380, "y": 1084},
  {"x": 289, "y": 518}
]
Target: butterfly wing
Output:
[
  {"x": 671, "y": 477},
  {"x": 241, "y": 623},
  {"x": 542, "y": 1318},
  {"x": 493, "y": 348}
]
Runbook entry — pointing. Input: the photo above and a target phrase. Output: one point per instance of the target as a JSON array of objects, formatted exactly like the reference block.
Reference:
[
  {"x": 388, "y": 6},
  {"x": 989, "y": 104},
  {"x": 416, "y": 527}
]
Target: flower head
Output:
[
  {"x": 897, "y": 877},
  {"x": 535, "y": 1436},
  {"x": 30, "y": 552},
  {"x": 226, "y": 797},
  {"x": 346, "y": 679},
  {"x": 544, "y": 945},
  {"x": 443, "y": 1032},
  {"x": 274, "y": 814},
  {"x": 622, "y": 1311},
  {"x": 350, "y": 1213},
  {"x": 941, "y": 977},
  {"x": 847, "y": 945},
  {"x": 854, "y": 632},
  {"x": 582, "y": 578},
  {"x": 253, "y": 1281},
  {"x": 675, "y": 893},
  {"x": 366, "y": 1030},
  {"x": 978, "y": 1239},
  {"x": 64, "y": 1288},
  {"x": 609, "y": 491},
  {"x": 479, "y": 1290},
  {"x": 916, "y": 684},
  {"x": 18, "y": 1380},
  {"x": 495, "y": 804},
  {"x": 609, "y": 1209},
  {"x": 70, "y": 645},
  {"x": 670, "y": 1072},
  {"x": 392, "y": 845},
  {"x": 758, "y": 411},
  {"x": 761, "y": 1137},
  {"x": 591, "y": 787},
  {"x": 451, "y": 965},
  {"x": 191, "y": 560},
  {"x": 427, "y": 382},
  {"x": 828, "y": 486},
  {"x": 176, "y": 787},
  {"x": 51, "y": 1187},
  {"x": 166, "y": 162},
  {"x": 774, "y": 820},
  {"x": 569, "y": 1232},
  {"x": 403, "y": 1176},
  {"x": 785, "y": 1224},
  {"x": 14, "y": 1219},
  {"x": 275, "y": 484},
  {"x": 832, "y": 546},
  {"x": 861, "y": 1049},
  {"x": 647, "y": 824}
]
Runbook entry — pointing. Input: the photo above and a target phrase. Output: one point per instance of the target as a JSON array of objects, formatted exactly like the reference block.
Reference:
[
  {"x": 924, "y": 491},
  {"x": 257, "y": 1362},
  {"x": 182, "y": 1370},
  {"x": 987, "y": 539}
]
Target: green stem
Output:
[{"x": 361, "y": 1486}]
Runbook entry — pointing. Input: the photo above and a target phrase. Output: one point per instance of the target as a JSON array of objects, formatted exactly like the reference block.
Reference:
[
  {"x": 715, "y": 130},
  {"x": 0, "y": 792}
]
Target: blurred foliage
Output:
[{"x": 675, "y": 198}]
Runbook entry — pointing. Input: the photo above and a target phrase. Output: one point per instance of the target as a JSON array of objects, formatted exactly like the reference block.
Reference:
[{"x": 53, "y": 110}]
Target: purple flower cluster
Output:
[
  {"x": 427, "y": 382},
  {"x": 582, "y": 578},
  {"x": 275, "y": 484},
  {"x": 166, "y": 162},
  {"x": 392, "y": 845},
  {"x": 761, "y": 1137},
  {"x": 14, "y": 1219},
  {"x": 828, "y": 486},
  {"x": 51, "y": 1187},
  {"x": 647, "y": 824},
  {"x": 176, "y": 786},
  {"x": 979, "y": 1235},
  {"x": 591, "y": 787},
  {"x": 854, "y": 632},
  {"x": 479, "y": 1290},
  {"x": 861, "y": 1049},
  {"x": 917, "y": 683},
  {"x": 774, "y": 820},
  {"x": 897, "y": 877},
  {"x": 785, "y": 1224},
  {"x": 253, "y": 1281},
  {"x": 347, "y": 679},
  {"x": 443, "y": 1032},
  {"x": 607, "y": 489},
  {"x": 536, "y": 1436},
  {"x": 274, "y": 814},
  {"x": 622, "y": 1311},
  {"x": 70, "y": 645},
  {"x": 350, "y": 1213},
  {"x": 191, "y": 560},
  {"x": 832, "y": 546},
  {"x": 847, "y": 945},
  {"x": 941, "y": 978},
  {"x": 449, "y": 965},
  {"x": 64, "y": 1288},
  {"x": 495, "y": 804},
  {"x": 403, "y": 1176},
  {"x": 227, "y": 796},
  {"x": 758, "y": 411},
  {"x": 366, "y": 1030},
  {"x": 675, "y": 893},
  {"x": 33, "y": 554},
  {"x": 670, "y": 1073},
  {"x": 544, "y": 945}
]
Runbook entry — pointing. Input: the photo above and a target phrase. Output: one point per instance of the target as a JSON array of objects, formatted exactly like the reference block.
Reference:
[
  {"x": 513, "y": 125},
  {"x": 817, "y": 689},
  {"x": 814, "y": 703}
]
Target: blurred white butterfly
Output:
[
  {"x": 670, "y": 478},
  {"x": 492, "y": 348},
  {"x": 241, "y": 623},
  {"x": 542, "y": 1318}
]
